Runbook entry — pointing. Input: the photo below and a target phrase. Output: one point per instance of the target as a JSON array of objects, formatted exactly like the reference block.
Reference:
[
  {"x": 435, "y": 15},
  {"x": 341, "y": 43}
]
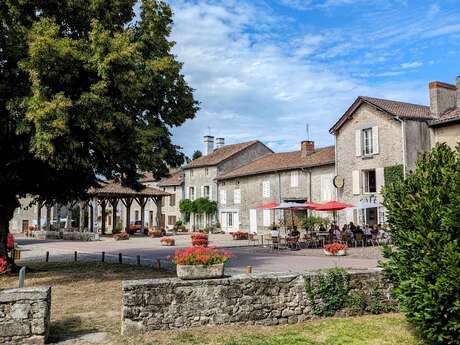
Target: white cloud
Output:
[
  {"x": 411, "y": 65},
  {"x": 252, "y": 88}
]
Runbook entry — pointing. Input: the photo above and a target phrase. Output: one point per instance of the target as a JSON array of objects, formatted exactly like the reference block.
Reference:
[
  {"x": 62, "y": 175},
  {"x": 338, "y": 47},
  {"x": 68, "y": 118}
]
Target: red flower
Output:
[
  {"x": 200, "y": 256},
  {"x": 334, "y": 248}
]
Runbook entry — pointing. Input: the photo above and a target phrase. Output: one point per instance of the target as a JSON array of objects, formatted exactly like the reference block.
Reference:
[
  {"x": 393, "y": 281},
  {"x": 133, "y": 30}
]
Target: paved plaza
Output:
[{"x": 262, "y": 259}]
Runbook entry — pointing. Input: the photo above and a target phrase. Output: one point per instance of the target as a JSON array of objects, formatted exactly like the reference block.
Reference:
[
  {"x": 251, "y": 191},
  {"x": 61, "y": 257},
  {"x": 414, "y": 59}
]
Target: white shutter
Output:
[
  {"x": 267, "y": 218},
  {"x": 187, "y": 193},
  {"x": 223, "y": 197},
  {"x": 201, "y": 192},
  {"x": 266, "y": 189},
  {"x": 253, "y": 220},
  {"x": 236, "y": 221},
  {"x": 375, "y": 140},
  {"x": 294, "y": 178},
  {"x": 379, "y": 179},
  {"x": 358, "y": 143},
  {"x": 323, "y": 188},
  {"x": 210, "y": 192},
  {"x": 223, "y": 220},
  {"x": 237, "y": 196},
  {"x": 356, "y": 182}
]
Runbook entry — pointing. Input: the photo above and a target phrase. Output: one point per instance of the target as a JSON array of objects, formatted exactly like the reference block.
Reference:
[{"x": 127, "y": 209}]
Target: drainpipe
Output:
[
  {"x": 279, "y": 187},
  {"x": 403, "y": 138}
]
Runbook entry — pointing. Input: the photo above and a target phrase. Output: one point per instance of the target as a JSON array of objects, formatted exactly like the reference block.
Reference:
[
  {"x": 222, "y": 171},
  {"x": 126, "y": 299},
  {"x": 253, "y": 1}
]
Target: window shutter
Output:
[
  {"x": 375, "y": 140},
  {"x": 210, "y": 192},
  {"x": 266, "y": 189},
  {"x": 237, "y": 196},
  {"x": 294, "y": 178},
  {"x": 266, "y": 217},
  {"x": 356, "y": 182},
  {"x": 201, "y": 192},
  {"x": 358, "y": 143},
  {"x": 223, "y": 197},
  {"x": 379, "y": 179}
]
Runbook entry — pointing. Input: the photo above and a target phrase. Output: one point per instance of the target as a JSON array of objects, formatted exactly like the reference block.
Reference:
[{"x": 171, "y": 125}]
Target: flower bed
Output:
[
  {"x": 335, "y": 249},
  {"x": 121, "y": 236},
  {"x": 168, "y": 241},
  {"x": 240, "y": 235},
  {"x": 200, "y": 256},
  {"x": 199, "y": 239}
]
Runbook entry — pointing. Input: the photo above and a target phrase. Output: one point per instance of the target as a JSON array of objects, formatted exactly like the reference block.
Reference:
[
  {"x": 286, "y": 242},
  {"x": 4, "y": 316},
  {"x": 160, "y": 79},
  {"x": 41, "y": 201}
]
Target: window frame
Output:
[
  {"x": 367, "y": 142},
  {"x": 366, "y": 181}
]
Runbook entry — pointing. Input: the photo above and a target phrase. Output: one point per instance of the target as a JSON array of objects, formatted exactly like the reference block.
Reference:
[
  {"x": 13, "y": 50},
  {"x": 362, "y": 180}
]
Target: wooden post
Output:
[
  {"x": 142, "y": 201},
  {"x": 114, "y": 203},
  {"x": 48, "y": 217},
  {"x": 138, "y": 260},
  {"x": 47, "y": 257},
  {"x": 158, "y": 264},
  {"x": 75, "y": 256},
  {"x": 127, "y": 202},
  {"x": 103, "y": 257},
  {"x": 249, "y": 269},
  {"x": 22, "y": 276},
  {"x": 103, "y": 215},
  {"x": 39, "y": 215},
  {"x": 81, "y": 215},
  {"x": 90, "y": 216},
  {"x": 120, "y": 258}
]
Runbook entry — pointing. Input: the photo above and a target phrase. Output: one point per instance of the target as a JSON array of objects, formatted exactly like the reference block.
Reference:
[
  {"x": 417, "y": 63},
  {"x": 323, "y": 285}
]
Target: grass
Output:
[{"x": 86, "y": 298}]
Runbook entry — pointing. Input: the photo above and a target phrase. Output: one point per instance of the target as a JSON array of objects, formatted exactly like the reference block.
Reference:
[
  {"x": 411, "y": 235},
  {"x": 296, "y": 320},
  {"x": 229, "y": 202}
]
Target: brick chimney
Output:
[
  {"x": 307, "y": 147},
  {"x": 220, "y": 142},
  {"x": 208, "y": 144},
  {"x": 443, "y": 97}
]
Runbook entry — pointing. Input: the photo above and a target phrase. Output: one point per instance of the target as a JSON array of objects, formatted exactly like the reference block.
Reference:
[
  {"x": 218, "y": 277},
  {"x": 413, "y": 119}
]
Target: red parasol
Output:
[
  {"x": 311, "y": 205},
  {"x": 333, "y": 206},
  {"x": 268, "y": 206}
]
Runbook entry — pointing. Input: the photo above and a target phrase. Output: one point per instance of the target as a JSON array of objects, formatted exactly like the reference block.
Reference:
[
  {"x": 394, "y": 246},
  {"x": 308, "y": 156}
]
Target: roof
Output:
[
  {"x": 220, "y": 155},
  {"x": 274, "y": 162},
  {"x": 447, "y": 118},
  {"x": 116, "y": 190},
  {"x": 174, "y": 179},
  {"x": 395, "y": 108},
  {"x": 148, "y": 176}
]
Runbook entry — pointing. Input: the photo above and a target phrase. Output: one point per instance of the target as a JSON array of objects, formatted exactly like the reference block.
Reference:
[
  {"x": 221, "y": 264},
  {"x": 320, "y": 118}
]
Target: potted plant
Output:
[
  {"x": 168, "y": 241},
  {"x": 121, "y": 236},
  {"x": 199, "y": 239},
  {"x": 335, "y": 249},
  {"x": 240, "y": 235},
  {"x": 156, "y": 232},
  {"x": 200, "y": 263}
]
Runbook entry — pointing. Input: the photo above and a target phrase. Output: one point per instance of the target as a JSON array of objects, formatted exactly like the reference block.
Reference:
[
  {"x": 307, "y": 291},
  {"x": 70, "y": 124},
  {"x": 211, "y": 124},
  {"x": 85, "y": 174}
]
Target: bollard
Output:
[
  {"x": 75, "y": 256},
  {"x": 138, "y": 260},
  {"x": 120, "y": 258},
  {"x": 249, "y": 269},
  {"x": 22, "y": 276},
  {"x": 47, "y": 258},
  {"x": 103, "y": 257},
  {"x": 158, "y": 264}
]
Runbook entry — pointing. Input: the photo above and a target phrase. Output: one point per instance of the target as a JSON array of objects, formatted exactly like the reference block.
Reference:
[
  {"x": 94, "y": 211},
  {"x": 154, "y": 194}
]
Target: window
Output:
[
  {"x": 172, "y": 200},
  {"x": 267, "y": 220},
  {"x": 369, "y": 181},
  {"x": 206, "y": 192},
  {"x": 237, "y": 196},
  {"x": 327, "y": 190},
  {"x": 223, "y": 197},
  {"x": 367, "y": 142},
  {"x": 230, "y": 219},
  {"x": 191, "y": 193},
  {"x": 163, "y": 201},
  {"x": 206, "y": 171},
  {"x": 171, "y": 220},
  {"x": 294, "y": 178},
  {"x": 150, "y": 218},
  {"x": 191, "y": 173},
  {"x": 266, "y": 189}
]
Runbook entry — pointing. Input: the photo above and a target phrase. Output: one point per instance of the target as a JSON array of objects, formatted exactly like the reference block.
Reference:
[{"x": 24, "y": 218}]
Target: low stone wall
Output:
[
  {"x": 24, "y": 315},
  {"x": 65, "y": 235},
  {"x": 260, "y": 299}
]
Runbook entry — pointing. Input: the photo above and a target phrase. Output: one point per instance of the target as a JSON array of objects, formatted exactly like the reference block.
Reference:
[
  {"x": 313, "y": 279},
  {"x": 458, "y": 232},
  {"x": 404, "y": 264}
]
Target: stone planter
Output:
[
  {"x": 189, "y": 272},
  {"x": 167, "y": 244},
  {"x": 342, "y": 252}
]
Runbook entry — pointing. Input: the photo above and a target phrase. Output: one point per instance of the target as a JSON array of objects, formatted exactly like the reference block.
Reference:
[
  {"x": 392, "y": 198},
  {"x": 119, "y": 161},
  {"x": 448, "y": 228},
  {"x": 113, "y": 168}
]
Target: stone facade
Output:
[
  {"x": 250, "y": 190},
  {"x": 256, "y": 299},
  {"x": 447, "y": 134},
  {"x": 24, "y": 315}
]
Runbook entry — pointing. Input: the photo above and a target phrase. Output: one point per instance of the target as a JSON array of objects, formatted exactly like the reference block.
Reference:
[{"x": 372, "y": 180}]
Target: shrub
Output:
[
  {"x": 424, "y": 214},
  {"x": 200, "y": 256}
]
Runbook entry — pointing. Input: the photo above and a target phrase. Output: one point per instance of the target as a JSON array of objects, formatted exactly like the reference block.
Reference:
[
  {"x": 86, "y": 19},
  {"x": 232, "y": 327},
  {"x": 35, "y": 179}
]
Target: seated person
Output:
[
  {"x": 295, "y": 232},
  {"x": 337, "y": 233},
  {"x": 293, "y": 238}
]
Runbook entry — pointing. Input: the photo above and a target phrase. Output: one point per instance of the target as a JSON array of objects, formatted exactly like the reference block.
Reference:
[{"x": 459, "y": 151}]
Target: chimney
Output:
[
  {"x": 307, "y": 147},
  {"x": 458, "y": 91},
  {"x": 220, "y": 142},
  {"x": 443, "y": 97},
  {"x": 208, "y": 144}
]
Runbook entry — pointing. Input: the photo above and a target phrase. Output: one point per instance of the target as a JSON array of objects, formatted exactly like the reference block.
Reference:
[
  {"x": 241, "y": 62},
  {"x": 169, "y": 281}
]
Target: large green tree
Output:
[{"x": 87, "y": 90}]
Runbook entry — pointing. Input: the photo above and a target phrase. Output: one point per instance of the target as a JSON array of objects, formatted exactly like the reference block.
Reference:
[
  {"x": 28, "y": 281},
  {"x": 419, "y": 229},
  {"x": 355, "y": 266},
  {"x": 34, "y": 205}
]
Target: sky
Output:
[{"x": 265, "y": 69}]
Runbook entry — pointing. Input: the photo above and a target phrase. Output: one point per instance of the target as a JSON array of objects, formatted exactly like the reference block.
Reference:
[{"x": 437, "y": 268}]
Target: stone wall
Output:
[
  {"x": 24, "y": 315},
  {"x": 256, "y": 299}
]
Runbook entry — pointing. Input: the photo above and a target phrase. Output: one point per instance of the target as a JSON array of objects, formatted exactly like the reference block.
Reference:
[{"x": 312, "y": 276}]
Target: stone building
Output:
[
  {"x": 304, "y": 175},
  {"x": 201, "y": 174},
  {"x": 376, "y": 137}
]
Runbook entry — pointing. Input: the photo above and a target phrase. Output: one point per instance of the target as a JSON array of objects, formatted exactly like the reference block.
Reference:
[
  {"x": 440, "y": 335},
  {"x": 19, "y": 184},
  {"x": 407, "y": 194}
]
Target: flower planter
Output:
[
  {"x": 341, "y": 252},
  {"x": 168, "y": 241},
  {"x": 189, "y": 272}
]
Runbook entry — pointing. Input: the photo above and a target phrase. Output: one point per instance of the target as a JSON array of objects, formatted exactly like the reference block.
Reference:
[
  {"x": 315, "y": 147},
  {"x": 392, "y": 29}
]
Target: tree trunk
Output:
[{"x": 7, "y": 207}]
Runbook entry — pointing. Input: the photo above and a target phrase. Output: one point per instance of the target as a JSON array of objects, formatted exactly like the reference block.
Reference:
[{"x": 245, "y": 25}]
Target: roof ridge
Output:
[{"x": 392, "y": 100}]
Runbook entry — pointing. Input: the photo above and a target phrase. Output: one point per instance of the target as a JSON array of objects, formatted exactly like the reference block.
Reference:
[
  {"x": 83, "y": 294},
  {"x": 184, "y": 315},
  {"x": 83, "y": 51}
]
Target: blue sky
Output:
[{"x": 263, "y": 69}]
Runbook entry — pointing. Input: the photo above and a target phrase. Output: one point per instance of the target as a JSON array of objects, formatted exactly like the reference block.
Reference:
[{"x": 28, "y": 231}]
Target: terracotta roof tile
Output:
[
  {"x": 273, "y": 162},
  {"x": 115, "y": 189},
  {"x": 398, "y": 109},
  {"x": 449, "y": 116},
  {"x": 219, "y": 155},
  {"x": 175, "y": 179}
]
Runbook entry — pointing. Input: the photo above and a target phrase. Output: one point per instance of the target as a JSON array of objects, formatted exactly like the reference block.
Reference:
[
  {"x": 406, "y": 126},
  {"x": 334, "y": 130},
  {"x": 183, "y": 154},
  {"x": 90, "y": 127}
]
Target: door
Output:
[
  {"x": 25, "y": 225},
  {"x": 253, "y": 221},
  {"x": 162, "y": 220},
  {"x": 229, "y": 221}
]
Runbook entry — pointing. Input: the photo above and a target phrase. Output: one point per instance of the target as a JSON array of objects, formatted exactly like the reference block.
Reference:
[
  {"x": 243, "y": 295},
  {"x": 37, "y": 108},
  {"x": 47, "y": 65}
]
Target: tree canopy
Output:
[
  {"x": 197, "y": 154},
  {"x": 87, "y": 90}
]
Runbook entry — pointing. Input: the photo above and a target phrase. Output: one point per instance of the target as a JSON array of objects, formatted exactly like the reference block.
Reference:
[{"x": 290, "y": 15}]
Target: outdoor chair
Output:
[
  {"x": 374, "y": 240},
  {"x": 268, "y": 239},
  {"x": 344, "y": 239},
  {"x": 253, "y": 239},
  {"x": 359, "y": 238}
]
